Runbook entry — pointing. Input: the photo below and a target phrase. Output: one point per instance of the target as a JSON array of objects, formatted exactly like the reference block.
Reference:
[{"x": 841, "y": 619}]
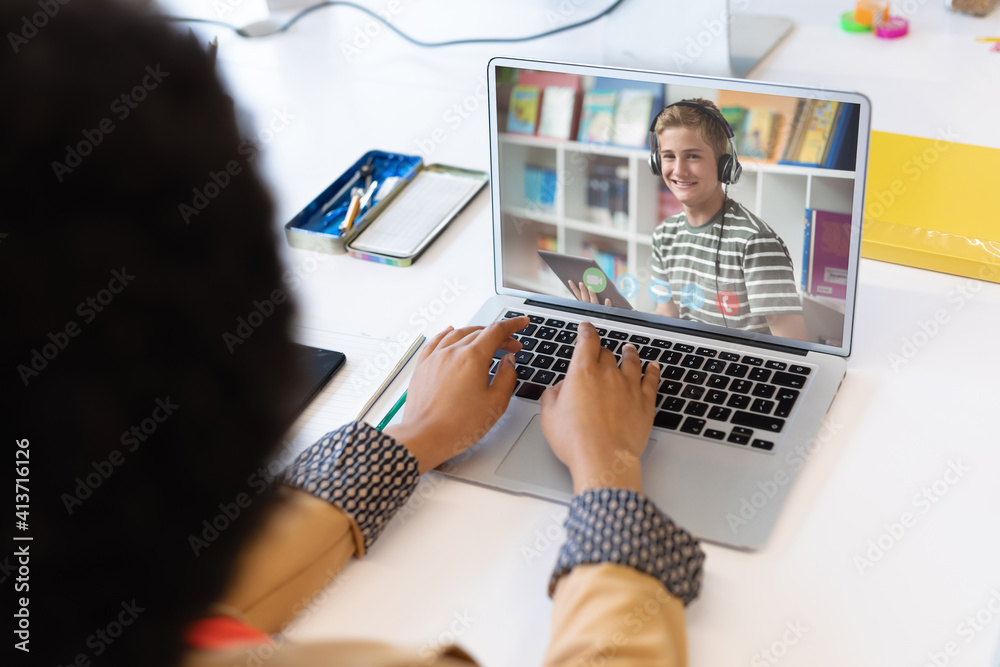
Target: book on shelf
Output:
[
  {"x": 760, "y": 131},
  {"x": 632, "y": 117},
  {"x": 782, "y": 106},
  {"x": 806, "y": 250},
  {"x": 793, "y": 143},
  {"x": 558, "y": 107},
  {"x": 829, "y": 245},
  {"x": 735, "y": 116},
  {"x": 539, "y": 186},
  {"x": 818, "y": 127},
  {"x": 612, "y": 263},
  {"x": 607, "y": 195},
  {"x": 843, "y": 150},
  {"x": 598, "y": 116},
  {"x": 523, "y": 114},
  {"x": 826, "y": 135}
]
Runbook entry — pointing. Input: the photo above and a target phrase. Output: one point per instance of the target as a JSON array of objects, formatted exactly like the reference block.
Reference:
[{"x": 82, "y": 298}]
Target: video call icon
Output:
[
  {"x": 659, "y": 291},
  {"x": 595, "y": 280},
  {"x": 692, "y": 296},
  {"x": 627, "y": 285},
  {"x": 727, "y": 303}
]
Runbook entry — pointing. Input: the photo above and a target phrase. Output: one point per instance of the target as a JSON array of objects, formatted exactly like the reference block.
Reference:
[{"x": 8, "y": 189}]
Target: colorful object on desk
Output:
[
  {"x": 871, "y": 13},
  {"x": 319, "y": 225},
  {"x": 892, "y": 28},
  {"x": 392, "y": 411},
  {"x": 931, "y": 203},
  {"x": 848, "y": 23},
  {"x": 988, "y": 39},
  {"x": 996, "y": 48},
  {"x": 352, "y": 210},
  {"x": 974, "y": 7}
]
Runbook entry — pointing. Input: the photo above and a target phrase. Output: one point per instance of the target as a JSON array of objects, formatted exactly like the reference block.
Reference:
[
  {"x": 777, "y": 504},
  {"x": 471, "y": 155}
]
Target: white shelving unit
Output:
[{"x": 778, "y": 194}]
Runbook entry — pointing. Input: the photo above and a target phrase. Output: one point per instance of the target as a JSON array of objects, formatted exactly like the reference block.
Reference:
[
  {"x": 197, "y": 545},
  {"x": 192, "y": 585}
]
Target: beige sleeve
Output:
[
  {"x": 328, "y": 654},
  {"x": 302, "y": 546},
  {"x": 615, "y": 616}
]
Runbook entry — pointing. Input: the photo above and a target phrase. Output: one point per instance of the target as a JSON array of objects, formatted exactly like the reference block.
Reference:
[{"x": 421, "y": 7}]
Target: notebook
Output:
[
  {"x": 749, "y": 364},
  {"x": 372, "y": 364}
]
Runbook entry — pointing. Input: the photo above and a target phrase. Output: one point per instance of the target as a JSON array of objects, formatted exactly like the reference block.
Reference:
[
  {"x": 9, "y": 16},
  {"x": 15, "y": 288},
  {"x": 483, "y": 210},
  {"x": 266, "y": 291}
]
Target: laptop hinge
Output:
[{"x": 775, "y": 347}]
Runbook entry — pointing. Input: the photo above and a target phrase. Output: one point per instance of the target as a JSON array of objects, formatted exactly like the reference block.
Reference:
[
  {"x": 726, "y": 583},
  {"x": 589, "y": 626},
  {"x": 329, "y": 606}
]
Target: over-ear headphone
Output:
[{"x": 730, "y": 168}]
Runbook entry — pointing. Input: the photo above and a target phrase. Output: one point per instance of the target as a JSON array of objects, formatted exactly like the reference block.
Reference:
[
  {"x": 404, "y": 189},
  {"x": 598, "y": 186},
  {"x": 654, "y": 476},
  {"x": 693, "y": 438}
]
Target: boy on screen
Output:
[{"x": 723, "y": 264}]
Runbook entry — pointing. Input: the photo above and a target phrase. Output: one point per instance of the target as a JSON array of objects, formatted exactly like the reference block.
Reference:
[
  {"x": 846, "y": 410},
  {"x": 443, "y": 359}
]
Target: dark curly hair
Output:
[{"x": 141, "y": 422}]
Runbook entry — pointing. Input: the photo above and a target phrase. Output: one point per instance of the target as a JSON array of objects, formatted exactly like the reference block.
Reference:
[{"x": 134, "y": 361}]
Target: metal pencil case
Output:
[
  {"x": 318, "y": 225},
  {"x": 417, "y": 214}
]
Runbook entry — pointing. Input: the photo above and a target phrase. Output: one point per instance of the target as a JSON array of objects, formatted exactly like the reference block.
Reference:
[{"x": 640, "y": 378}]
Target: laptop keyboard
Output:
[{"x": 737, "y": 399}]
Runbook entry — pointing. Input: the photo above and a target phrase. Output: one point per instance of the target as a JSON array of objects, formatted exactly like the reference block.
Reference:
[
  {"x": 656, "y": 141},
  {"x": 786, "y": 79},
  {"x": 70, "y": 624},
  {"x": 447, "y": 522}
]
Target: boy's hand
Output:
[
  {"x": 598, "y": 419},
  {"x": 583, "y": 293},
  {"x": 450, "y": 402}
]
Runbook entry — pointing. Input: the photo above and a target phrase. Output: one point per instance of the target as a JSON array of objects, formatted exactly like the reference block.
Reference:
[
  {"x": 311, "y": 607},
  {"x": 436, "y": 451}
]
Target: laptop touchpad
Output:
[{"x": 531, "y": 460}]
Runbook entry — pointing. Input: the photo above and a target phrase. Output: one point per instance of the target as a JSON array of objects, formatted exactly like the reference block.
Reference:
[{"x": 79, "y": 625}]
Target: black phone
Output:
[{"x": 319, "y": 367}]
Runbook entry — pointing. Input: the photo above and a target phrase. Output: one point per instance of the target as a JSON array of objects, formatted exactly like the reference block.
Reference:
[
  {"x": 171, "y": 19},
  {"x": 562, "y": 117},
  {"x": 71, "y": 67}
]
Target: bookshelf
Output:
[{"x": 779, "y": 194}]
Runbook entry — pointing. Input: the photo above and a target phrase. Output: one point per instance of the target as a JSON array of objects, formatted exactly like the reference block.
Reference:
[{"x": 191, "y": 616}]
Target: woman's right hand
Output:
[
  {"x": 597, "y": 420},
  {"x": 583, "y": 293}
]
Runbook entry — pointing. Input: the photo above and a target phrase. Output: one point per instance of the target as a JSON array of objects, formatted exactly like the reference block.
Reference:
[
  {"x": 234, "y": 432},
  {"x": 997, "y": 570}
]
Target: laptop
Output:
[{"x": 737, "y": 404}]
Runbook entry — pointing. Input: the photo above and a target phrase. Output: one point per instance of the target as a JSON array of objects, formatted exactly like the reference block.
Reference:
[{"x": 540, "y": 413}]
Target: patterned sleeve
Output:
[
  {"x": 770, "y": 279},
  {"x": 625, "y": 527},
  {"x": 365, "y": 473}
]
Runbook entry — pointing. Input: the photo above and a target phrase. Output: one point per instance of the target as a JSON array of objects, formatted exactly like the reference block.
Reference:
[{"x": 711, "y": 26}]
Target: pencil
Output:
[{"x": 392, "y": 412}]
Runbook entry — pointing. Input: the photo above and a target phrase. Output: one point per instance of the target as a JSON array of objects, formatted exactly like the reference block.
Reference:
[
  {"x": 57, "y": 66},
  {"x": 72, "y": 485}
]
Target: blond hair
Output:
[{"x": 710, "y": 131}]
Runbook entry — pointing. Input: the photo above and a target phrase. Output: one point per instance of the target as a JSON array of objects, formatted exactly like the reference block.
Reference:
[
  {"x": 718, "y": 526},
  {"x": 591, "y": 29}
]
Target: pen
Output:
[
  {"x": 352, "y": 211},
  {"x": 988, "y": 39},
  {"x": 392, "y": 413}
]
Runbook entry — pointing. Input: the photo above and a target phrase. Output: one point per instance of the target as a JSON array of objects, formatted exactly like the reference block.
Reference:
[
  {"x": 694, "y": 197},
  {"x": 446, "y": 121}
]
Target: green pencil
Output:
[{"x": 392, "y": 413}]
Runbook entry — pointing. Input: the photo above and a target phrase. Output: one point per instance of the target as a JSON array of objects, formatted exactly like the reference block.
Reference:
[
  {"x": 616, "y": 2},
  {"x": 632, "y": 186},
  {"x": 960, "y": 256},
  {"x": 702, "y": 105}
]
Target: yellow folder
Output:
[{"x": 933, "y": 204}]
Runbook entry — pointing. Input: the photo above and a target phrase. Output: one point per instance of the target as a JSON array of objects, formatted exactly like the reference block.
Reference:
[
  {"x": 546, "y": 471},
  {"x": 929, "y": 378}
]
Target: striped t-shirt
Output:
[{"x": 754, "y": 266}]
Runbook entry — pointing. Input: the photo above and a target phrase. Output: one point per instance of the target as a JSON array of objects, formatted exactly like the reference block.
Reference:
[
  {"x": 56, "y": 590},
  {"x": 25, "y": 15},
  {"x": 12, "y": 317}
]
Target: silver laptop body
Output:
[{"x": 724, "y": 489}]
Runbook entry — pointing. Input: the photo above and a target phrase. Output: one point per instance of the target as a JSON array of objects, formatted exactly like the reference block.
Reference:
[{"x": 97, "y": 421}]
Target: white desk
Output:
[{"x": 456, "y": 565}]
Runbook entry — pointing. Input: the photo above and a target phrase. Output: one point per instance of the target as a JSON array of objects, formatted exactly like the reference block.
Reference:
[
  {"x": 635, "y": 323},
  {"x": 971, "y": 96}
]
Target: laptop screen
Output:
[{"x": 743, "y": 218}]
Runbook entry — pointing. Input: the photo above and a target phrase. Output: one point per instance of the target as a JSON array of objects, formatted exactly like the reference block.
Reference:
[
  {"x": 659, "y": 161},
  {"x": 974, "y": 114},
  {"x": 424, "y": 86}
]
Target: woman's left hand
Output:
[{"x": 450, "y": 403}]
